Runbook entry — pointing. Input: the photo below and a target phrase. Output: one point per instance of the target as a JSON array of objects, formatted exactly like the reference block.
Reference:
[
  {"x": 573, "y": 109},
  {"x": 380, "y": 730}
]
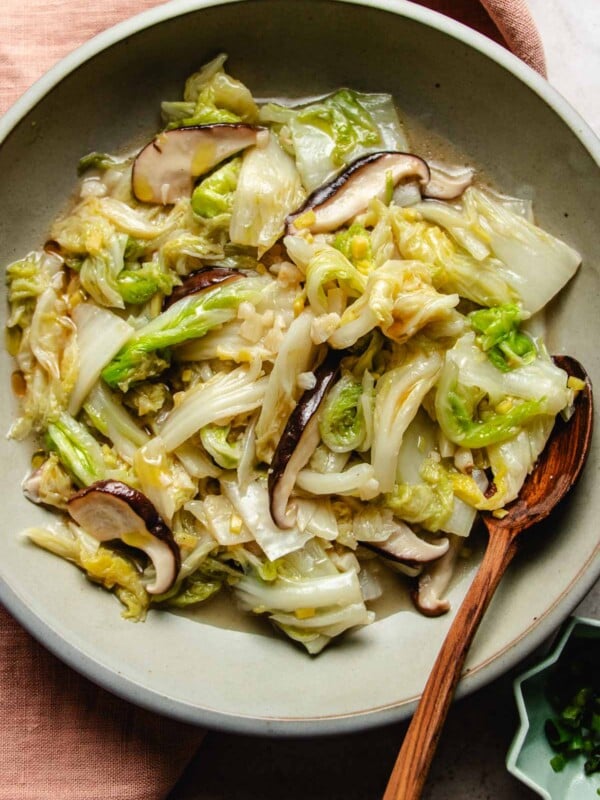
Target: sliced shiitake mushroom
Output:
[
  {"x": 372, "y": 176},
  {"x": 299, "y": 440},
  {"x": 165, "y": 169},
  {"x": 200, "y": 280},
  {"x": 351, "y": 191},
  {"x": 405, "y": 546},
  {"x": 434, "y": 580},
  {"x": 447, "y": 184},
  {"x": 109, "y": 510}
]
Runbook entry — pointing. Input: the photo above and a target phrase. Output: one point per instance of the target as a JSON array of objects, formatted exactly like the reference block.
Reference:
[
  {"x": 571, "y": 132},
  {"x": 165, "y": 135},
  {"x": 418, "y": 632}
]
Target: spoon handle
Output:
[{"x": 412, "y": 765}]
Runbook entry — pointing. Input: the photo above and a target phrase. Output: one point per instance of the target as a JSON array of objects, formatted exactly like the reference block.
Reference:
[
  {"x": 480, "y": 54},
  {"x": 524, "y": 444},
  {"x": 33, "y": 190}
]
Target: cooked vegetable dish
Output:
[{"x": 276, "y": 352}]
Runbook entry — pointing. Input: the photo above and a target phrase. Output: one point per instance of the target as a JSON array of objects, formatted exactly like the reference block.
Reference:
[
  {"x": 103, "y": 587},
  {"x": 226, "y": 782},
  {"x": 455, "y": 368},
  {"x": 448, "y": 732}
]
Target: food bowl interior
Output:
[{"x": 207, "y": 669}]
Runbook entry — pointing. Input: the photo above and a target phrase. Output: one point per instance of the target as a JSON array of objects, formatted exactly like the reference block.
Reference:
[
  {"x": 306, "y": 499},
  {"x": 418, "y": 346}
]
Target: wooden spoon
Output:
[{"x": 556, "y": 472}]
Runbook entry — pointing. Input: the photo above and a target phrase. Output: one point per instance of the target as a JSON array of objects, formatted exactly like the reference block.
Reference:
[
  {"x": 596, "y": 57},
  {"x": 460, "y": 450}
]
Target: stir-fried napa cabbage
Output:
[
  {"x": 334, "y": 131},
  {"x": 370, "y": 388}
]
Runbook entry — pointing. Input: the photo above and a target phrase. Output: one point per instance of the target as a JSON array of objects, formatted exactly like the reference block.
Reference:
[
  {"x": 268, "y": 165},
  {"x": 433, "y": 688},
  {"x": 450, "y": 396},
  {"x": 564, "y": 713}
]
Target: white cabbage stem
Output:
[
  {"x": 398, "y": 396},
  {"x": 223, "y": 397}
]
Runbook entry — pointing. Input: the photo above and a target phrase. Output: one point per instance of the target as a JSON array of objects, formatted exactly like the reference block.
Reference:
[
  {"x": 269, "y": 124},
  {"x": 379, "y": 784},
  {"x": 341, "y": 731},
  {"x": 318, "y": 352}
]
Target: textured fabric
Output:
[
  {"x": 515, "y": 23},
  {"x": 35, "y": 34},
  {"x": 508, "y": 22},
  {"x": 62, "y": 737}
]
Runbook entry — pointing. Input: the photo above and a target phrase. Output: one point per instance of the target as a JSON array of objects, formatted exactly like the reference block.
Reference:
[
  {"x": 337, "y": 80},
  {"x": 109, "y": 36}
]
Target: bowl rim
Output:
[
  {"x": 485, "y": 672},
  {"x": 425, "y": 16},
  {"x": 553, "y": 656}
]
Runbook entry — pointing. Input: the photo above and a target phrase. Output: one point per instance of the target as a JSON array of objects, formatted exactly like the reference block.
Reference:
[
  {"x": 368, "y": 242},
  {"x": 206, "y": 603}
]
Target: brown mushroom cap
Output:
[
  {"x": 200, "y": 280},
  {"x": 433, "y": 581},
  {"x": 351, "y": 191},
  {"x": 405, "y": 546},
  {"x": 109, "y": 510},
  {"x": 164, "y": 170},
  {"x": 299, "y": 439}
]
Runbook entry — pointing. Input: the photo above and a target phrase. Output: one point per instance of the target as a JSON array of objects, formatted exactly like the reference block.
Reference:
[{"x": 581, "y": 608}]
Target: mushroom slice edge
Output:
[
  {"x": 351, "y": 190},
  {"x": 299, "y": 440},
  {"x": 164, "y": 170},
  {"x": 110, "y": 510}
]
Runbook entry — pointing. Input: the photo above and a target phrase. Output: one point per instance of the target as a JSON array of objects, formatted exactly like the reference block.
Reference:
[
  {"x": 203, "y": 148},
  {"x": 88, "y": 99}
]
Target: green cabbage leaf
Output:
[
  {"x": 77, "y": 449},
  {"x": 214, "y": 195},
  {"x": 341, "y": 421},
  {"x": 538, "y": 263},
  {"x": 188, "y": 318},
  {"x": 99, "y": 161},
  {"x": 43, "y": 341},
  {"x": 510, "y": 248},
  {"x": 330, "y": 268},
  {"x": 211, "y": 96},
  {"x": 478, "y": 404},
  {"x": 112, "y": 420},
  {"x": 330, "y": 133},
  {"x": 297, "y": 354},
  {"x": 428, "y": 503},
  {"x": 355, "y": 243},
  {"x": 197, "y": 588},
  {"x": 483, "y": 279},
  {"x": 398, "y": 396},
  {"x": 500, "y": 337},
  {"x": 268, "y": 189},
  {"x": 223, "y": 397},
  {"x": 94, "y": 324},
  {"x": 138, "y": 284},
  {"x": 216, "y": 442},
  {"x": 400, "y": 299}
]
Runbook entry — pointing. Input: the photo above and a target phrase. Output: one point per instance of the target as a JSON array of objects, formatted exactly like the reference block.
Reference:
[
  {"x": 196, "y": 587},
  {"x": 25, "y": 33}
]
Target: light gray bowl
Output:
[{"x": 446, "y": 79}]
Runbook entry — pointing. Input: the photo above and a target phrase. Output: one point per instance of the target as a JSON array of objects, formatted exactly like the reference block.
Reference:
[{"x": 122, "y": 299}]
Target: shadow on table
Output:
[{"x": 469, "y": 764}]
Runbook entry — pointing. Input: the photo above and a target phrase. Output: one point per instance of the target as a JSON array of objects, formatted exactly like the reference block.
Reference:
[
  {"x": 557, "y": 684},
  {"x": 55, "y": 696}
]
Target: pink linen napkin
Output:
[
  {"x": 63, "y": 737},
  {"x": 516, "y": 25}
]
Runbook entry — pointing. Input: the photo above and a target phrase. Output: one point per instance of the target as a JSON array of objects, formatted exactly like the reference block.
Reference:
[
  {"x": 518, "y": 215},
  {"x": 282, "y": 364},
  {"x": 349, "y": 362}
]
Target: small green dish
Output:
[{"x": 529, "y": 755}]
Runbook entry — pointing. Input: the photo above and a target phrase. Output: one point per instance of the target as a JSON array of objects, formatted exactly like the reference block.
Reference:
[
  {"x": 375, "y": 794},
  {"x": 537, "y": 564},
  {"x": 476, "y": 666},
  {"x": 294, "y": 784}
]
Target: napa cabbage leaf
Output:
[
  {"x": 216, "y": 442},
  {"x": 331, "y": 132},
  {"x": 428, "y": 503},
  {"x": 214, "y": 195},
  {"x": 268, "y": 189},
  {"x": 188, "y": 318},
  {"x": 499, "y": 336},
  {"x": 478, "y": 404},
  {"x": 306, "y": 595},
  {"x": 211, "y": 96},
  {"x": 341, "y": 421}
]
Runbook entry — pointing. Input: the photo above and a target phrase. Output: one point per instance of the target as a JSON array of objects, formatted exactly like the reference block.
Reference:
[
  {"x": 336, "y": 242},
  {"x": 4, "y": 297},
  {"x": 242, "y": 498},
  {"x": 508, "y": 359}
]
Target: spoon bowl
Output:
[{"x": 555, "y": 474}]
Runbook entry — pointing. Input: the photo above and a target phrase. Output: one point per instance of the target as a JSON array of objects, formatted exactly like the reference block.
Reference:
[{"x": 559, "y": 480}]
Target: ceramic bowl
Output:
[
  {"x": 451, "y": 85},
  {"x": 529, "y": 755}
]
